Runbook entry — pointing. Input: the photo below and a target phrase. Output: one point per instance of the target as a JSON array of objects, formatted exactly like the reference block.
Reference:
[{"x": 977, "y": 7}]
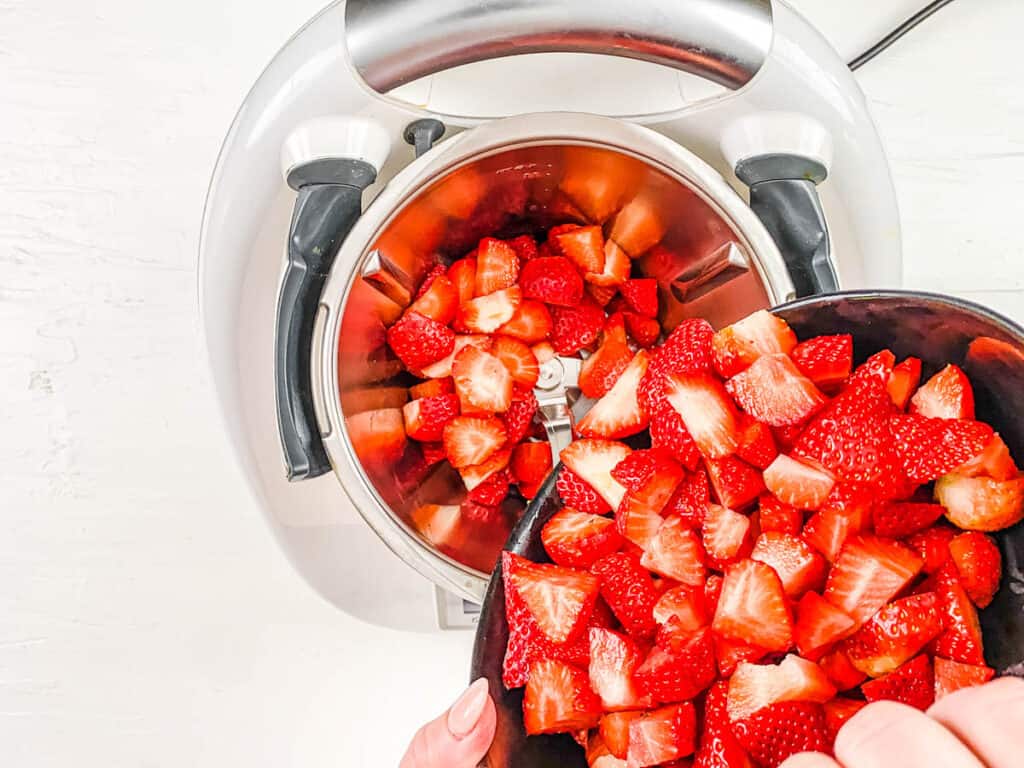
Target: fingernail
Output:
[{"x": 466, "y": 711}]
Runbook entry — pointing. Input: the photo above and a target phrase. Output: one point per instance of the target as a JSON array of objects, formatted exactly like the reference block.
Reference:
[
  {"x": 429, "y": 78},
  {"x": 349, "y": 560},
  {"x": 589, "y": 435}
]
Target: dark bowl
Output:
[{"x": 939, "y": 330}]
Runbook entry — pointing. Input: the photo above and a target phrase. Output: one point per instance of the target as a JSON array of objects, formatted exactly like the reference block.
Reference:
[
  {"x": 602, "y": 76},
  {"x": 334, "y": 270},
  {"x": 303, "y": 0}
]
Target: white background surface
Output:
[{"x": 146, "y": 618}]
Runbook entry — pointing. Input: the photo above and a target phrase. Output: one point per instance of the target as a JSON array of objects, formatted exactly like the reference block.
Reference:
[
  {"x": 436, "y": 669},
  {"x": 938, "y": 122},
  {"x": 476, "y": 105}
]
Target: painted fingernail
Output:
[{"x": 466, "y": 711}]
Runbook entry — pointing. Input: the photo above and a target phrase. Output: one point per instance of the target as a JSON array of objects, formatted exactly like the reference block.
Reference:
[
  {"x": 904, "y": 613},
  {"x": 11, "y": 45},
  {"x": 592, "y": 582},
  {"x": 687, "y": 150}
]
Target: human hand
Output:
[
  {"x": 979, "y": 727},
  {"x": 460, "y": 737}
]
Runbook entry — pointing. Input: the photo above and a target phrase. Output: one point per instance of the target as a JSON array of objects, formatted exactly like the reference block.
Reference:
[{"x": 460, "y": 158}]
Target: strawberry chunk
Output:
[
  {"x": 980, "y": 503},
  {"x": 868, "y": 573},
  {"x": 687, "y": 350},
  {"x": 578, "y": 539},
  {"x": 425, "y": 418},
  {"x": 524, "y": 246},
  {"x": 641, "y": 295},
  {"x": 774, "y": 733},
  {"x": 462, "y": 274},
  {"x": 878, "y": 367},
  {"x": 575, "y": 327},
  {"x": 679, "y": 674},
  {"x": 946, "y": 395},
  {"x": 492, "y": 491},
  {"x": 932, "y": 546},
  {"x": 930, "y": 448},
  {"x": 627, "y": 588},
  {"x": 614, "y": 730},
  {"x": 962, "y": 639},
  {"x": 995, "y": 462},
  {"x": 895, "y": 634},
  {"x": 443, "y": 367},
  {"x": 553, "y": 280},
  {"x": 825, "y": 360},
  {"x": 584, "y": 247},
  {"x": 669, "y": 433},
  {"x": 691, "y": 499},
  {"x": 707, "y": 412},
  {"x": 518, "y": 359},
  {"x": 418, "y": 340},
  {"x": 819, "y": 626},
  {"x": 903, "y": 381},
  {"x": 912, "y": 684},
  {"x": 637, "y": 519},
  {"x": 618, "y": 414},
  {"x": 796, "y": 483},
  {"x": 736, "y": 347},
  {"x": 613, "y": 660},
  {"x": 642, "y": 467},
  {"x": 846, "y": 511},
  {"x": 718, "y": 745},
  {"x": 560, "y": 599},
  {"x": 755, "y": 686},
  {"x": 558, "y": 699},
  {"x": 951, "y": 676},
  {"x": 602, "y": 369},
  {"x": 645, "y": 331},
  {"x": 531, "y": 462},
  {"x": 437, "y": 299},
  {"x": 616, "y": 267},
  {"x": 978, "y": 564},
  {"x": 799, "y": 567},
  {"x": 897, "y": 520},
  {"x": 756, "y": 443},
  {"x": 497, "y": 266},
  {"x": 577, "y": 493},
  {"x": 530, "y": 322},
  {"x": 485, "y": 314},
  {"x": 662, "y": 735},
  {"x": 773, "y": 390},
  {"x": 841, "y": 673},
  {"x": 753, "y": 607},
  {"x": 726, "y": 534},
  {"x": 476, "y": 474},
  {"x": 684, "y": 606},
  {"x": 482, "y": 381},
  {"x": 593, "y": 461},
  {"x": 675, "y": 551},
  {"x": 470, "y": 440},
  {"x": 774, "y": 515},
  {"x": 736, "y": 484}
]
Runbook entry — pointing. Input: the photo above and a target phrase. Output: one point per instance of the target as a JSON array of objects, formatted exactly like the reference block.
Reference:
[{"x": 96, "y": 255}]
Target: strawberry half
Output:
[
  {"x": 754, "y": 686},
  {"x": 839, "y": 711},
  {"x": 425, "y": 418},
  {"x": 903, "y": 381},
  {"x": 979, "y": 565},
  {"x": 578, "y": 539},
  {"x": 799, "y": 567},
  {"x": 980, "y": 503},
  {"x": 470, "y": 440},
  {"x": 774, "y": 733},
  {"x": 560, "y": 599},
  {"x": 951, "y": 676},
  {"x": 825, "y": 360},
  {"x": 868, "y": 573},
  {"x": 602, "y": 369},
  {"x": 618, "y": 414},
  {"x": 726, "y": 534},
  {"x": 437, "y": 300},
  {"x": 482, "y": 381},
  {"x": 675, "y": 551},
  {"x": 796, "y": 483},
  {"x": 530, "y": 322},
  {"x": 575, "y": 327},
  {"x": 558, "y": 699},
  {"x": 774, "y": 391},
  {"x": 613, "y": 660},
  {"x": 753, "y": 607},
  {"x": 707, "y": 412},
  {"x": 740, "y": 344},
  {"x": 962, "y": 639},
  {"x": 895, "y": 634},
  {"x": 819, "y": 626},
  {"x": 736, "y": 484},
  {"x": 641, "y": 295},
  {"x": 912, "y": 684},
  {"x": 897, "y": 520},
  {"x": 553, "y": 280},
  {"x": 518, "y": 359},
  {"x": 497, "y": 266},
  {"x": 662, "y": 735},
  {"x": 946, "y": 395},
  {"x": 593, "y": 461},
  {"x": 627, "y": 588},
  {"x": 577, "y": 493},
  {"x": 679, "y": 674},
  {"x": 584, "y": 247},
  {"x": 930, "y": 448},
  {"x": 419, "y": 341}
]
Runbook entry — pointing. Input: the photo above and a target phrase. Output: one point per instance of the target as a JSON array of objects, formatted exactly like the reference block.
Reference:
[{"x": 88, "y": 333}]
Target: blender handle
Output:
[
  {"x": 393, "y": 42},
  {"x": 328, "y": 203}
]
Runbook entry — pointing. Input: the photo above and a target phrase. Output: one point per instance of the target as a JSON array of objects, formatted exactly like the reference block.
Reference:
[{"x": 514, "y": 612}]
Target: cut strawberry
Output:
[
  {"x": 627, "y": 588},
  {"x": 462, "y": 274},
  {"x": 531, "y": 462},
  {"x": 443, "y": 367},
  {"x": 731, "y": 653},
  {"x": 718, "y": 745},
  {"x": 680, "y": 674},
  {"x": 726, "y": 534},
  {"x": 593, "y": 461},
  {"x": 930, "y": 448},
  {"x": 841, "y": 673},
  {"x": 897, "y": 520},
  {"x": 432, "y": 388},
  {"x": 786, "y": 437},
  {"x": 613, "y": 660},
  {"x": 531, "y": 322},
  {"x": 426, "y": 417},
  {"x": 558, "y": 699},
  {"x": 485, "y": 314},
  {"x": 979, "y": 503},
  {"x": 895, "y": 634},
  {"x": 518, "y": 358},
  {"x": 675, "y": 551},
  {"x": 979, "y": 565},
  {"x": 669, "y": 433},
  {"x": 903, "y": 381},
  {"x": 740, "y": 344},
  {"x": 774, "y": 733},
  {"x": 773, "y": 390},
  {"x": 584, "y": 247},
  {"x": 470, "y": 440},
  {"x": 687, "y": 350},
  {"x": 756, "y": 443},
  {"x": 641, "y": 295},
  {"x": 946, "y": 395},
  {"x": 637, "y": 520},
  {"x": 642, "y": 467},
  {"x": 578, "y": 539},
  {"x": 476, "y": 474},
  {"x": 825, "y": 360},
  {"x": 839, "y": 711},
  {"x": 616, "y": 267},
  {"x": 482, "y": 381},
  {"x": 912, "y": 684},
  {"x": 662, "y": 735},
  {"x": 575, "y": 327},
  {"x": 777, "y": 516},
  {"x": 878, "y": 367},
  {"x": 685, "y": 606},
  {"x": 847, "y": 511},
  {"x": 932, "y": 546},
  {"x": 618, "y": 414},
  {"x": 524, "y": 246},
  {"x": 707, "y": 412},
  {"x": 819, "y": 626},
  {"x": 962, "y": 639},
  {"x": 553, "y": 280},
  {"x": 518, "y": 419},
  {"x": 428, "y": 279},
  {"x": 645, "y": 331},
  {"x": 868, "y": 573},
  {"x": 951, "y": 676},
  {"x": 691, "y": 499},
  {"x": 577, "y": 493},
  {"x": 614, "y": 728},
  {"x": 995, "y": 462},
  {"x": 796, "y": 483},
  {"x": 753, "y": 607},
  {"x": 602, "y": 295},
  {"x": 736, "y": 484},
  {"x": 560, "y": 599},
  {"x": 419, "y": 341},
  {"x": 497, "y": 266},
  {"x": 493, "y": 490},
  {"x": 439, "y": 301},
  {"x": 798, "y": 566},
  {"x": 543, "y": 351},
  {"x": 754, "y": 686},
  {"x": 602, "y": 369}
]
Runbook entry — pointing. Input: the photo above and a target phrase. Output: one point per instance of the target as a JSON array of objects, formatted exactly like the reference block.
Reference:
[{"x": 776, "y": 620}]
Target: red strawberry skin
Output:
[
  {"x": 931, "y": 448},
  {"x": 553, "y": 280},
  {"x": 895, "y": 634},
  {"x": 736, "y": 484},
  {"x": 575, "y": 327},
  {"x": 577, "y": 493},
  {"x": 785, "y": 728},
  {"x": 681, "y": 673},
  {"x": 627, "y": 588},
  {"x": 719, "y": 747},
  {"x": 419, "y": 341},
  {"x": 686, "y": 350},
  {"x": 897, "y": 520},
  {"x": 979, "y": 565},
  {"x": 912, "y": 684},
  {"x": 579, "y": 539},
  {"x": 962, "y": 639},
  {"x": 641, "y": 295},
  {"x": 825, "y": 360}
]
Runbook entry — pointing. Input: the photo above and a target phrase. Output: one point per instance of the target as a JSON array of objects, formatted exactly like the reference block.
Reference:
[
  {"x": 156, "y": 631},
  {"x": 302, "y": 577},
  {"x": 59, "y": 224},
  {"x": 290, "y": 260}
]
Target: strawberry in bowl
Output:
[{"x": 819, "y": 520}]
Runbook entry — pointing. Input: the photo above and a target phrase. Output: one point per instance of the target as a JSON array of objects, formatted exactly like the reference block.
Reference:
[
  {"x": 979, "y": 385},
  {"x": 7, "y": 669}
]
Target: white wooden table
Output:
[{"x": 146, "y": 617}]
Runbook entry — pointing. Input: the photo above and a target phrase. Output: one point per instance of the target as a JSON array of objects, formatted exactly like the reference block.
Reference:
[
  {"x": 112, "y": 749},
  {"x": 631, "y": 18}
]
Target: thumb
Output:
[{"x": 460, "y": 737}]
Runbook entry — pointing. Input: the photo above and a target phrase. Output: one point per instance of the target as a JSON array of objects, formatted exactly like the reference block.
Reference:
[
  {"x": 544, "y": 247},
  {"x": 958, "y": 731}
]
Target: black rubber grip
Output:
[{"x": 323, "y": 216}]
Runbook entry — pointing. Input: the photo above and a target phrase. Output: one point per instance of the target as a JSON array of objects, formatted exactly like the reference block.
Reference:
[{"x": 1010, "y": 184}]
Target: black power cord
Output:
[{"x": 897, "y": 33}]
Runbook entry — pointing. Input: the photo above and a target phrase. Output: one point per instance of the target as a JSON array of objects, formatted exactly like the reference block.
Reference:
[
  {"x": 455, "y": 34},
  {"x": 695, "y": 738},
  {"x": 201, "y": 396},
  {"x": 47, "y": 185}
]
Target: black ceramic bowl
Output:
[{"x": 939, "y": 330}]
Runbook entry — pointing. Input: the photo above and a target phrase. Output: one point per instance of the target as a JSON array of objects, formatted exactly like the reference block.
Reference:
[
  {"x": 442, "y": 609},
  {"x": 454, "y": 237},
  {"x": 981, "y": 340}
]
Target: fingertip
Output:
[{"x": 810, "y": 760}]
